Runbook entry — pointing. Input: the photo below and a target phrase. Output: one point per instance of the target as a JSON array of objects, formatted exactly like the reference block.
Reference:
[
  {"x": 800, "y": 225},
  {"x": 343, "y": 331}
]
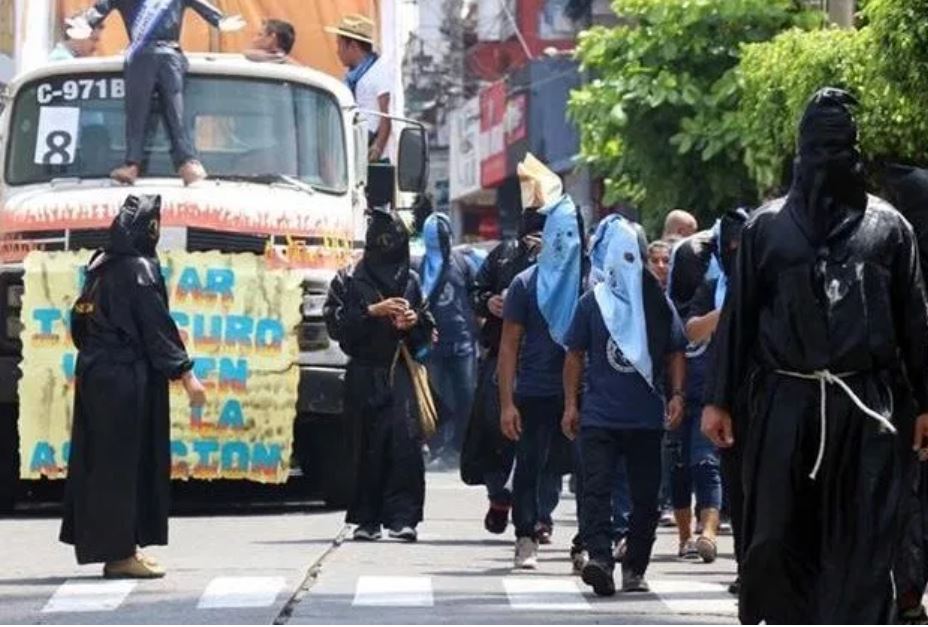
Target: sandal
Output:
[
  {"x": 688, "y": 551},
  {"x": 707, "y": 548}
]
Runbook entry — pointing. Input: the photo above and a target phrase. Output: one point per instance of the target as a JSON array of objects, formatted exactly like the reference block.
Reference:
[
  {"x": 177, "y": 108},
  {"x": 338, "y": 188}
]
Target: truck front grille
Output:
[{"x": 205, "y": 240}]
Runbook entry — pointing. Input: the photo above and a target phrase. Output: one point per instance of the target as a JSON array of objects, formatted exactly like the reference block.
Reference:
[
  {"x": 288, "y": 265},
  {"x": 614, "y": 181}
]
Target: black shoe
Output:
[
  {"x": 734, "y": 588},
  {"x": 913, "y": 616},
  {"x": 633, "y": 582},
  {"x": 406, "y": 534},
  {"x": 599, "y": 576},
  {"x": 367, "y": 533},
  {"x": 543, "y": 533},
  {"x": 497, "y": 518}
]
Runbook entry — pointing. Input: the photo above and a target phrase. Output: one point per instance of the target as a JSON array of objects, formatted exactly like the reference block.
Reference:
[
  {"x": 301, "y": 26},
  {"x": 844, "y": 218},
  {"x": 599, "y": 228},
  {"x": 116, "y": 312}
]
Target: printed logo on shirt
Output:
[
  {"x": 617, "y": 359},
  {"x": 695, "y": 350},
  {"x": 447, "y": 295}
]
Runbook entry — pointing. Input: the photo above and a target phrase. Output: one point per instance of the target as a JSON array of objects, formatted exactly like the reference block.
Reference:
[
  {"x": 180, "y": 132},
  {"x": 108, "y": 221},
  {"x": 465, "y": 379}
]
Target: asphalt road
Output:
[{"x": 290, "y": 565}]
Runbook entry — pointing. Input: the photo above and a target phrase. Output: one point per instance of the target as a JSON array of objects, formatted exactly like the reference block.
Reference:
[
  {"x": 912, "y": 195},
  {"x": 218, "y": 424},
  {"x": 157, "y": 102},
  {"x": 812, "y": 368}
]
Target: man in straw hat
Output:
[{"x": 368, "y": 78}]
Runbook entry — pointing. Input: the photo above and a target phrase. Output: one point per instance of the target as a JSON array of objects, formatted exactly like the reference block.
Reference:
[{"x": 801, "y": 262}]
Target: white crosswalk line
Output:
[
  {"x": 89, "y": 596},
  {"x": 528, "y": 593},
  {"x": 231, "y": 592},
  {"x": 694, "y": 596},
  {"x": 373, "y": 591}
]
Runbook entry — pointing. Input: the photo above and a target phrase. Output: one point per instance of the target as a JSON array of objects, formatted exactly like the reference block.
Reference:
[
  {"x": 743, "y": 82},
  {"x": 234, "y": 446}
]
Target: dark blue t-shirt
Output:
[
  {"x": 616, "y": 396},
  {"x": 697, "y": 355},
  {"x": 454, "y": 315},
  {"x": 541, "y": 359}
]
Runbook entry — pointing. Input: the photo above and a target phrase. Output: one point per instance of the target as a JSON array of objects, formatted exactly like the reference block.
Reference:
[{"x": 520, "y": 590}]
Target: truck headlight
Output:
[
  {"x": 13, "y": 313},
  {"x": 14, "y": 326},
  {"x": 313, "y": 304}
]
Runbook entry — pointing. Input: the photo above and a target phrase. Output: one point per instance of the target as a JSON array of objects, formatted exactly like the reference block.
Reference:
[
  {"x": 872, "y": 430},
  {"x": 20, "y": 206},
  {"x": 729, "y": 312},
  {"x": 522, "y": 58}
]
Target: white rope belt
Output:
[{"x": 826, "y": 378}]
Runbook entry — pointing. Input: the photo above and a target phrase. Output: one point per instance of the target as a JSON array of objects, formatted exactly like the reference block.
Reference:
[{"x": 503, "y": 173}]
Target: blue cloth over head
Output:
[
  {"x": 599, "y": 243},
  {"x": 621, "y": 300},
  {"x": 560, "y": 267},
  {"x": 436, "y": 235}
]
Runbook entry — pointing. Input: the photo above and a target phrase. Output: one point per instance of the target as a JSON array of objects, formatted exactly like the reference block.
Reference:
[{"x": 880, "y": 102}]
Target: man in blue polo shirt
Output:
[
  {"x": 628, "y": 338},
  {"x": 536, "y": 316}
]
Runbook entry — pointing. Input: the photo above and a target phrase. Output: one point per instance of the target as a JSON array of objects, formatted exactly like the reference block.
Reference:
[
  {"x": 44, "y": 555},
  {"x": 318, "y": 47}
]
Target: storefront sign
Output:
[
  {"x": 465, "y": 150},
  {"x": 492, "y": 135},
  {"x": 238, "y": 320}
]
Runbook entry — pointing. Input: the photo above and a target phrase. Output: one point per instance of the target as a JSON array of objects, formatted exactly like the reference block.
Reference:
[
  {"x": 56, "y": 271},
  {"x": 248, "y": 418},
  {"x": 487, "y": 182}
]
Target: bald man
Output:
[{"x": 678, "y": 225}]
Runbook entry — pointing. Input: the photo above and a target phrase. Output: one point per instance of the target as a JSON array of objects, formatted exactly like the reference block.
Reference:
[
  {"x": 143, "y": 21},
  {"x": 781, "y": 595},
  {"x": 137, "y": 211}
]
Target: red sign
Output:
[
  {"x": 493, "y": 135},
  {"x": 516, "y": 121}
]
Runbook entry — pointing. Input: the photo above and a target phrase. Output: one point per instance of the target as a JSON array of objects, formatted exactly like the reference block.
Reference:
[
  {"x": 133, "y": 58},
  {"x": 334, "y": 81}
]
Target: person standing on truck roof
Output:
[
  {"x": 368, "y": 78},
  {"x": 376, "y": 313},
  {"x": 154, "y": 63},
  {"x": 119, "y": 475},
  {"x": 71, "y": 48},
  {"x": 273, "y": 44},
  {"x": 447, "y": 278}
]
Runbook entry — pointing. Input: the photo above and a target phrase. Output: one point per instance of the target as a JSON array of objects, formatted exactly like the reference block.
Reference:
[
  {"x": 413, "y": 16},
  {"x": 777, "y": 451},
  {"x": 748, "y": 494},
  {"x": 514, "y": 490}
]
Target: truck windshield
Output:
[{"x": 74, "y": 127}]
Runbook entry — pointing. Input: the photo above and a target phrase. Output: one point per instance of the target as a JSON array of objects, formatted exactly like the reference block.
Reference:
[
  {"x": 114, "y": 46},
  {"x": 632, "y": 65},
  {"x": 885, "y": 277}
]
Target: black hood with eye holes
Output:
[{"x": 137, "y": 228}]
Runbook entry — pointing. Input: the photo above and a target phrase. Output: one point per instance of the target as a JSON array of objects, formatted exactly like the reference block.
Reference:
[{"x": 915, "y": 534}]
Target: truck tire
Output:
[{"x": 9, "y": 458}]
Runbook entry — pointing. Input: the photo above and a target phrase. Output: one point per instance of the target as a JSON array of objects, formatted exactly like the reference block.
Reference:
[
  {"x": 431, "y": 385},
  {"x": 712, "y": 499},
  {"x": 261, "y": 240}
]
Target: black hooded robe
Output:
[
  {"x": 827, "y": 279},
  {"x": 118, "y": 487},
  {"x": 380, "y": 401}
]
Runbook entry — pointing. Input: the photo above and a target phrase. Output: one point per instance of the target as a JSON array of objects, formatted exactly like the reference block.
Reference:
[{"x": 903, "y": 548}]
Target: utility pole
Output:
[{"x": 841, "y": 12}]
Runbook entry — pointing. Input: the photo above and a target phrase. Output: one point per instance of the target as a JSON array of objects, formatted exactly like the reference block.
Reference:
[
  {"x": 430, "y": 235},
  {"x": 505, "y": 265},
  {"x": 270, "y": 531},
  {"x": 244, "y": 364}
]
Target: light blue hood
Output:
[
  {"x": 621, "y": 300},
  {"x": 436, "y": 236},
  {"x": 560, "y": 267}
]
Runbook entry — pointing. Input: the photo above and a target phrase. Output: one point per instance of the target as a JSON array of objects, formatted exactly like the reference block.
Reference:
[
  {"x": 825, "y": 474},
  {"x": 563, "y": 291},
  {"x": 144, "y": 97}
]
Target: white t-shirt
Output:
[{"x": 375, "y": 83}]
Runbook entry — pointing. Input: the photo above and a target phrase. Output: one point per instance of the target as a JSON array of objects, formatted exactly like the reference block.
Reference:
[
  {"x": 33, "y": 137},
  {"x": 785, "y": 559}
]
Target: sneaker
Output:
[
  {"x": 543, "y": 533},
  {"x": 707, "y": 549},
  {"x": 192, "y": 172},
  {"x": 599, "y": 577},
  {"x": 135, "y": 567},
  {"x": 526, "y": 554},
  {"x": 633, "y": 582},
  {"x": 367, "y": 533},
  {"x": 734, "y": 588},
  {"x": 497, "y": 518},
  {"x": 725, "y": 527},
  {"x": 406, "y": 534},
  {"x": 688, "y": 551},
  {"x": 126, "y": 174},
  {"x": 578, "y": 559},
  {"x": 667, "y": 519},
  {"x": 621, "y": 548}
]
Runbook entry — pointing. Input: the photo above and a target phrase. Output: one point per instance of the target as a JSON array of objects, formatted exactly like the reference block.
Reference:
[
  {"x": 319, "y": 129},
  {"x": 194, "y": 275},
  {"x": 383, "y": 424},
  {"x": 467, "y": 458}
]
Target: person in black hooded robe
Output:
[
  {"x": 371, "y": 310},
  {"x": 907, "y": 188},
  {"x": 129, "y": 348},
  {"x": 827, "y": 300}
]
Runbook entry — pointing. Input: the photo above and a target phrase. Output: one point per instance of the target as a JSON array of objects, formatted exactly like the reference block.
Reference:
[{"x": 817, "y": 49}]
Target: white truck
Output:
[{"x": 286, "y": 150}]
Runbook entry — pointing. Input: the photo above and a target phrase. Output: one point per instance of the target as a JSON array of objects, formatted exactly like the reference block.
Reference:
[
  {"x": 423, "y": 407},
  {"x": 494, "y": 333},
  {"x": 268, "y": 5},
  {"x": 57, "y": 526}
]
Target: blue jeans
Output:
[
  {"x": 540, "y": 417},
  {"x": 696, "y": 465},
  {"x": 455, "y": 380}
]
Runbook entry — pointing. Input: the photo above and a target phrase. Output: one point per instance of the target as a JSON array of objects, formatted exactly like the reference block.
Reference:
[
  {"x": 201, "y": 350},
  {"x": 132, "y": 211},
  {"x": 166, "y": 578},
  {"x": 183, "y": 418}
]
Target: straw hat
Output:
[{"x": 355, "y": 27}]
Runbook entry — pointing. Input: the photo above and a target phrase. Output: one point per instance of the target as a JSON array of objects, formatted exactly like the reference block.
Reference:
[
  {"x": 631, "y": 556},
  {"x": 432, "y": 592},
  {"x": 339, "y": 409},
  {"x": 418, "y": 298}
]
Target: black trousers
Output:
[
  {"x": 541, "y": 419},
  {"x": 601, "y": 450},
  {"x": 158, "y": 69}
]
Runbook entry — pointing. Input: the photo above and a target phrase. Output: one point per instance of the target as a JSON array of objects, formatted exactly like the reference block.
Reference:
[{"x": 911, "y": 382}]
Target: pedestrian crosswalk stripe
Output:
[
  {"x": 89, "y": 596},
  {"x": 373, "y": 591},
  {"x": 237, "y": 592},
  {"x": 527, "y": 593},
  {"x": 688, "y": 596}
]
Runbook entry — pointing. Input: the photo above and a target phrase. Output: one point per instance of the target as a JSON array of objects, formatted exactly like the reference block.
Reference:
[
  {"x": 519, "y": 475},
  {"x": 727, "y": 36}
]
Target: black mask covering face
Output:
[
  {"x": 829, "y": 189},
  {"x": 386, "y": 253},
  {"x": 136, "y": 230},
  {"x": 730, "y": 227},
  {"x": 530, "y": 227}
]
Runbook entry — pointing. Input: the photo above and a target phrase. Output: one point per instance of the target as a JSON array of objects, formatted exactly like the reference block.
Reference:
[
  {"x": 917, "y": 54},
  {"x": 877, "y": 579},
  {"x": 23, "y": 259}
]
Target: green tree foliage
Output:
[
  {"x": 659, "y": 119},
  {"x": 882, "y": 64}
]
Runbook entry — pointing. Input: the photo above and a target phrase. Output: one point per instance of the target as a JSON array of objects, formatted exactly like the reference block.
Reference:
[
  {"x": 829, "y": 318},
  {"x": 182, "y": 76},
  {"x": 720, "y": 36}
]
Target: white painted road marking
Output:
[
  {"x": 89, "y": 596},
  {"x": 544, "y": 594},
  {"x": 687, "y": 597},
  {"x": 394, "y": 592},
  {"x": 226, "y": 592}
]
